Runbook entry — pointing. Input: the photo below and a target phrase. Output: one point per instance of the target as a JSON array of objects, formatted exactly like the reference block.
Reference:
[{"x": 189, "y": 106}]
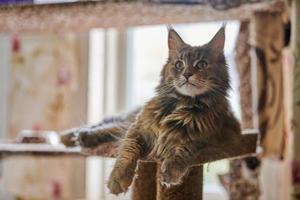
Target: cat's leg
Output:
[
  {"x": 133, "y": 147},
  {"x": 175, "y": 166},
  {"x": 109, "y": 130}
]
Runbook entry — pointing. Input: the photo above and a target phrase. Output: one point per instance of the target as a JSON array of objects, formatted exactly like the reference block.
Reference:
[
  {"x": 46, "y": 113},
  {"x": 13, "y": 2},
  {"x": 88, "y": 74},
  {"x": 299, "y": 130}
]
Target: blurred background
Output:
[{"x": 57, "y": 80}]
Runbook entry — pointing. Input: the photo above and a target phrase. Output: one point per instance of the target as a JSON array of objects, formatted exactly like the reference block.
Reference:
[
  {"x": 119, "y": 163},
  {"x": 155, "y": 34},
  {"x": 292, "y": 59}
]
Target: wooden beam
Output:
[
  {"x": 81, "y": 17},
  {"x": 12, "y": 149},
  {"x": 243, "y": 66},
  {"x": 295, "y": 45},
  {"x": 266, "y": 38},
  {"x": 239, "y": 171},
  {"x": 284, "y": 167},
  {"x": 229, "y": 147}
]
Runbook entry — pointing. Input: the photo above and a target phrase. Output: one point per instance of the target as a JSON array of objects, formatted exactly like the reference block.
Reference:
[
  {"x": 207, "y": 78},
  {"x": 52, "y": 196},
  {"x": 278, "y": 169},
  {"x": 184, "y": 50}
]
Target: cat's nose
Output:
[{"x": 187, "y": 75}]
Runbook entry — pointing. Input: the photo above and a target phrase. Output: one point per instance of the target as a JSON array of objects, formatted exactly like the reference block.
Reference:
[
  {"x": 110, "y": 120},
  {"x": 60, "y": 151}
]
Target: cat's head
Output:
[{"x": 195, "y": 70}]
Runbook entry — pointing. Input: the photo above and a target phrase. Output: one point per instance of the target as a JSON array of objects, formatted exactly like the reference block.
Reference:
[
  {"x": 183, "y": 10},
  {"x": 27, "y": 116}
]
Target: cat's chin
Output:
[{"x": 190, "y": 90}]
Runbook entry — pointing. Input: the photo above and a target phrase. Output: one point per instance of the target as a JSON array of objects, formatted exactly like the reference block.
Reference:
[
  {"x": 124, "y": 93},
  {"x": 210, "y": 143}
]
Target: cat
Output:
[{"x": 190, "y": 108}]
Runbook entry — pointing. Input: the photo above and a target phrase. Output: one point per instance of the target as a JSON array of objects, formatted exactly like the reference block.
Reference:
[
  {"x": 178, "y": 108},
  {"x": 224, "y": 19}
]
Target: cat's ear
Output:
[
  {"x": 174, "y": 42},
  {"x": 218, "y": 41}
]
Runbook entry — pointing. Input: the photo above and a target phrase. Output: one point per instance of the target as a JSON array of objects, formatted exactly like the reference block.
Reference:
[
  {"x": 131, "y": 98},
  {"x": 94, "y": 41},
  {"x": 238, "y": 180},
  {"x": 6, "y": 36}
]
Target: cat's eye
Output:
[
  {"x": 179, "y": 65},
  {"x": 201, "y": 64}
]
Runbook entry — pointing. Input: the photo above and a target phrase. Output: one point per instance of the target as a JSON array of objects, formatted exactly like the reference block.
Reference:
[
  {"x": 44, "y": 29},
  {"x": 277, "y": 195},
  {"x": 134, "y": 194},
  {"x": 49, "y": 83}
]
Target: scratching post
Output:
[
  {"x": 191, "y": 188},
  {"x": 144, "y": 184}
]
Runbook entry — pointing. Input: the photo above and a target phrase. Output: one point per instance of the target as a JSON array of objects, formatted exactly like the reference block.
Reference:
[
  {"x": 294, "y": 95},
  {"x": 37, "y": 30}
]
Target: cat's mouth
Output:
[
  {"x": 189, "y": 89},
  {"x": 187, "y": 83}
]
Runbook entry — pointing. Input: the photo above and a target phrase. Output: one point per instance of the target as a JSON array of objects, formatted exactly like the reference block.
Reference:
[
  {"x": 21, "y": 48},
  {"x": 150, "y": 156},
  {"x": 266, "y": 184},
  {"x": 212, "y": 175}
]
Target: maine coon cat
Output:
[{"x": 189, "y": 109}]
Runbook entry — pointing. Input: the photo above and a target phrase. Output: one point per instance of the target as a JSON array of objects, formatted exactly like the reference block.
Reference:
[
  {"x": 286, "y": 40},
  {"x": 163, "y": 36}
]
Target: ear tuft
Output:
[
  {"x": 218, "y": 41},
  {"x": 170, "y": 27},
  {"x": 174, "y": 41}
]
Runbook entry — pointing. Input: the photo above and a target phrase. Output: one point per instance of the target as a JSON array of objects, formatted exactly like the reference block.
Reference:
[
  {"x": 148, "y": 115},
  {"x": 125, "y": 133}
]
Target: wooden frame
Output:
[{"x": 83, "y": 16}]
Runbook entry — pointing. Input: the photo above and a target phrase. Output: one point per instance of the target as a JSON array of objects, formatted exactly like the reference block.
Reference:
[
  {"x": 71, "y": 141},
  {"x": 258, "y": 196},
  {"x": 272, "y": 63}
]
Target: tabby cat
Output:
[{"x": 190, "y": 108}]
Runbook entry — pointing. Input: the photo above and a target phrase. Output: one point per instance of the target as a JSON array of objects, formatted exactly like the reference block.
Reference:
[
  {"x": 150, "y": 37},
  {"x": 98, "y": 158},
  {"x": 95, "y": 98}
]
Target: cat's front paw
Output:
[
  {"x": 69, "y": 137},
  {"x": 121, "y": 178},
  {"x": 172, "y": 173},
  {"x": 117, "y": 186},
  {"x": 87, "y": 138}
]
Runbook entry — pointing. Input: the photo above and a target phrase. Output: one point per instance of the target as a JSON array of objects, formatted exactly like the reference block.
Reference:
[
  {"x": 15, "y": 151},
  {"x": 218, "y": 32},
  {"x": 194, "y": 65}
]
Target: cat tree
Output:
[
  {"x": 66, "y": 17},
  {"x": 146, "y": 185}
]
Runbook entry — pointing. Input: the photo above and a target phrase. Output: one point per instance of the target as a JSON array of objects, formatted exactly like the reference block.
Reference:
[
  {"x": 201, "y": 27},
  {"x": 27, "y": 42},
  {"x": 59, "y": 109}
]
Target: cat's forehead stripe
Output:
[
  {"x": 191, "y": 54},
  {"x": 183, "y": 54}
]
